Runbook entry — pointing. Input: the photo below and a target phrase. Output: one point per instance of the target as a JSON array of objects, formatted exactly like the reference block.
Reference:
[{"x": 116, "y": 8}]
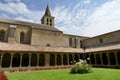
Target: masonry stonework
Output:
[{"x": 32, "y": 45}]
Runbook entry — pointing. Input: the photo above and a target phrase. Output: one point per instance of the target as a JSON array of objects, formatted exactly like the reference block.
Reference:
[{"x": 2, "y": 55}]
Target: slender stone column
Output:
[
  {"x": 67, "y": 58},
  {"x": 101, "y": 59},
  {"x": 29, "y": 59},
  {"x": 95, "y": 58},
  {"x": 61, "y": 59},
  {"x": 37, "y": 59},
  {"x": 116, "y": 58},
  {"x": 21, "y": 59},
  {"x": 90, "y": 58},
  {"x": 1, "y": 60},
  {"x": 72, "y": 59},
  {"x": 47, "y": 59},
  {"x": 11, "y": 60},
  {"x": 108, "y": 58},
  {"x": 55, "y": 59}
]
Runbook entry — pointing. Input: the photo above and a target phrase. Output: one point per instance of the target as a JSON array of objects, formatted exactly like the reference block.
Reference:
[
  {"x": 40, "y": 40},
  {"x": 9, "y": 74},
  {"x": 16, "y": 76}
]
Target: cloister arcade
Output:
[
  {"x": 104, "y": 58},
  {"x": 33, "y": 59}
]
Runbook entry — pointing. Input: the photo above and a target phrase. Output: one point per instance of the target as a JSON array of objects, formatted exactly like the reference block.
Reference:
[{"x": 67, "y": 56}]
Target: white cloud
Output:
[
  {"x": 14, "y": 8},
  {"x": 69, "y": 20},
  {"x": 105, "y": 18},
  {"x": 66, "y": 19},
  {"x": 86, "y": 1},
  {"x": 21, "y": 11},
  {"x": 12, "y": 0}
]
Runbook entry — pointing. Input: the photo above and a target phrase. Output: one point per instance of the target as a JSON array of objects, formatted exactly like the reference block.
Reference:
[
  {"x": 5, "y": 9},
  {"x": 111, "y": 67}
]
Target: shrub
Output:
[
  {"x": 3, "y": 76},
  {"x": 81, "y": 67}
]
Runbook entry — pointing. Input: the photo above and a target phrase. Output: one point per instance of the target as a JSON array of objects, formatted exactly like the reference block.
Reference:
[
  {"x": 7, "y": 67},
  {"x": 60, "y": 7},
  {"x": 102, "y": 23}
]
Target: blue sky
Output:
[{"x": 77, "y": 17}]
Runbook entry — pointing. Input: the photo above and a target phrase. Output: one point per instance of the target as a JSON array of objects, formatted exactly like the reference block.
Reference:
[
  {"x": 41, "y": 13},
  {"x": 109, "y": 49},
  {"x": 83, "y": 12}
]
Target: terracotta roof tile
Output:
[
  {"x": 22, "y": 47},
  {"x": 103, "y": 48}
]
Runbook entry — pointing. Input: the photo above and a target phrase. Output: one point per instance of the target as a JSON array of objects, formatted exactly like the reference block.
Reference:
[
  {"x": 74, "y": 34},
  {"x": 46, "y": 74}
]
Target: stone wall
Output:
[
  {"x": 19, "y": 28},
  {"x": 26, "y": 30},
  {"x": 47, "y": 38},
  {"x": 4, "y": 27},
  {"x": 41, "y": 37},
  {"x": 53, "y": 38},
  {"x": 105, "y": 39}
]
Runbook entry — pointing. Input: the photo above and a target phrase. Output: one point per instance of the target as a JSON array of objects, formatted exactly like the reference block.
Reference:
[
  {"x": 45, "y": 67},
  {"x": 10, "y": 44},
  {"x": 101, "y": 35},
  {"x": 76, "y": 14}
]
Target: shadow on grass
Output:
[{"x": 80, "y": 73}]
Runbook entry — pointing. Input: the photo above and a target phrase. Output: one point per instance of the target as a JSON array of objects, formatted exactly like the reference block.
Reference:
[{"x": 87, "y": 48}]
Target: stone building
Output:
[{"x": 30, "y": 45}]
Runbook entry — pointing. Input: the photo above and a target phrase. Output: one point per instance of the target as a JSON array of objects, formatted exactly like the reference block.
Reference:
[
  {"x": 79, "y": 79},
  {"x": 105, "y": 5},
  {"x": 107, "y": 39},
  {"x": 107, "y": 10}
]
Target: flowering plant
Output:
[
  {"x": 3, "y": 76},
  {"x": 81, "y": 67}
]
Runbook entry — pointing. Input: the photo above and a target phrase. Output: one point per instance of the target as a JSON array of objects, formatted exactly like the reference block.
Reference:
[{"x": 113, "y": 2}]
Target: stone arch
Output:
[
  {"x": 6, "y": 60},
  {"x": 76, "y": 58},
  {"x": 25, "y": 60},
  {"x": 16, "y": 60},
  {"x": 41, "y": 60},
  {"x": 92, "y": 59},
  {"x": 50, "y": 22},
  {"x": 112, "y": 58},
  {"x": 33, "y": 59},
  {"x": 65, "y": 59},
  {"x": 104, "y": 57},
  {"x": 118, "y": 57},
  {"x": 98, "y": 60},
  {"x": 70, "y": 59},
  {"x": 2, "y": 35},
  {"x": 58, "y": 59},
  {"x": 47, "y": 21},
  {"x": 52, "y": 60}
]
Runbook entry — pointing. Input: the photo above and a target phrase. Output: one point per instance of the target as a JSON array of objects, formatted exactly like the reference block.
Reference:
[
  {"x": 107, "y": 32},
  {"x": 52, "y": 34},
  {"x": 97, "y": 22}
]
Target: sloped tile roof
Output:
[
  {"x": 103, "y": 48},
  {"x": 23, "y": 47}
]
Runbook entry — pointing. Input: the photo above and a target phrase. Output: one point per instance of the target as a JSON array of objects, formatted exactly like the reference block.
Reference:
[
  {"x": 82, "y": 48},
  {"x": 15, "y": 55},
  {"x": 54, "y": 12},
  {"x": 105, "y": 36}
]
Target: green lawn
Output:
[{"x": 97, "y": 74}]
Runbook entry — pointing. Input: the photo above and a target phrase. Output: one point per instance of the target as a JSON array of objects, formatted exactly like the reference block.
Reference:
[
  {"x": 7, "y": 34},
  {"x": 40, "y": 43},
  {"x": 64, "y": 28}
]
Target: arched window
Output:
[
  {"x": 50, "y": 20},
  {"x": 47, "y": 19},
  {"x": 70, "y": 42},
  {"x": 22, "y": 37},
  {"x": 2, "y": 35}
]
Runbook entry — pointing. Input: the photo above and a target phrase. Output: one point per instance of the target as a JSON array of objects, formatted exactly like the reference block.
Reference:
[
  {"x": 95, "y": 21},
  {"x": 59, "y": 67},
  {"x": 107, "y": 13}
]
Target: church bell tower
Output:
[{"x": 47, "y": 19}]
